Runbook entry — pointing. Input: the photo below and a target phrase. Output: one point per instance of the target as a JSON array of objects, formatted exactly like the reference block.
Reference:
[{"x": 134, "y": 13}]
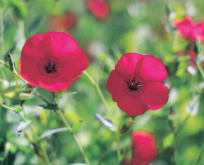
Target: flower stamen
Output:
[
  {"x": 50, "y": 67},
  {"x": 133, "y": 85}
]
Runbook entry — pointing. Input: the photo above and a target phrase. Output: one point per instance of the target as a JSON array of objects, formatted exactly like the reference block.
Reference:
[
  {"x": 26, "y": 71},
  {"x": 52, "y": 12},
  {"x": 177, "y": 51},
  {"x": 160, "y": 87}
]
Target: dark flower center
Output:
[
  {"x": 133, "y": 85},
  {"x": 50, "y": 67}
]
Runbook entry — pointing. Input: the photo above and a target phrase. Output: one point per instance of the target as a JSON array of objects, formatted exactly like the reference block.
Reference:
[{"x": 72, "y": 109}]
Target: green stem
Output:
[
  {"x": 90, "y": 78},
  {"x": 75, "y": 138},
  {"x": 15, "y": 73},
  {"x": 109, "y": 148},
  {"x": 182, "y": 125},
  {"x": 106, "y": 106},
  {"x": 36, "y": 92},
  {"x": 73, "y": 134},
  {"x": 38, "y": 139},
  {"x": 16, "y": 80},
  {"x": 199, "y": 156},
  {"x": 46, "y": 159},
  {"x": 118, "y": 149},
  {"x": 201, "y": 71},
  {"x": 3, "y": 63},
  {"x": 2, "y": 31},
  {"x": 47, "y": 162},
  {"x": 100, "y": 94}
]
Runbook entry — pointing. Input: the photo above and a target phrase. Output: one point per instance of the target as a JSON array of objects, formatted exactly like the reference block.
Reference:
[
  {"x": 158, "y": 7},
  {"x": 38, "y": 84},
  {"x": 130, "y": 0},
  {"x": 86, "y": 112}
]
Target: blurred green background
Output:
[{"x": 133, "y": 26}]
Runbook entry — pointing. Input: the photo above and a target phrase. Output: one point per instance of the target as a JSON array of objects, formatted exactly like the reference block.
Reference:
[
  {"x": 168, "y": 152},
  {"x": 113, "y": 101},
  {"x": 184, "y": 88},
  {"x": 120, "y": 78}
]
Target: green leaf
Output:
[
  {"x": 168, "y": 140},
  {"x": 107, "y": 122},
  {"x": 25, "y": 96},
  {"x": 77, "y": 126},
  {"x": 50, "y": 107},
  {"x": 11, "y": 63},
  {"x": 19, "y": 7},
  {"x": 3, "y": 85},
  {"x": 50, "y": 132},
  {"x": 123, "y": 155},
  {"x": 22, "y": 125},
  {"x": 182, "y": 67},
  {"x": 18, "y": 109}
]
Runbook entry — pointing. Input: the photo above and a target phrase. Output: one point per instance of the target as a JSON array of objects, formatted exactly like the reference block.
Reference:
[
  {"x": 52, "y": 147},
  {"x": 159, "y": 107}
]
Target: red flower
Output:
[
  {"x": 62, "y": 22},
  {"x": 135, "y": 83},
  {"x": 144, "y": 147},
  {"x": 99, "y": 8},
  {"x": 189, "y": 30},
  {"x": 192, "y": 55},
  {"x": 52, "y": 61}
]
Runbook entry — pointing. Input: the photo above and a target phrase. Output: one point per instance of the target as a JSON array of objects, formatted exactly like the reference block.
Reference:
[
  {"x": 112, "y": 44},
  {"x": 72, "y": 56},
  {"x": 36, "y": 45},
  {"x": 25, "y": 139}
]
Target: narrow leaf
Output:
[
  {"x": 168, "y": 140},
  {"x": 67, "y": 94},
  {"x": 11, "y": 63},
  {"x": 107, "y": 122},
  {"x": 50, "y": 107},
  {"x": 18, "y": 109},
  {"x": 25, "y": 96},
  {"x": 77, "y": 126},
  {"x": 193, "y": 106},
  {"x": 22, "y": 125},
  {"x": 53, "y": 131}
]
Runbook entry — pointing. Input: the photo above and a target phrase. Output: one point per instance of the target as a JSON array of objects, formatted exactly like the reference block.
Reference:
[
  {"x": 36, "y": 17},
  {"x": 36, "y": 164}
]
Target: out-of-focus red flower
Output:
[
  {"x": 67, "y": 21},
  {"x": 144, "y": 147},
  {"x": 135, "y": 83},
  {"x": 192, "y": 55},
  {"x": 198, "y": 30},
  {"x": 189, "y": 30},
  {"x": 99, "y": 8},
  {"x": 52, "y": 61}
]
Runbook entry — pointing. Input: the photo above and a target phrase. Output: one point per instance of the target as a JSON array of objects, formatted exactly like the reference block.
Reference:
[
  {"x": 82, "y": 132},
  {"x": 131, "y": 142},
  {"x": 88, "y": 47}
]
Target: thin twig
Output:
[{"x": 73, "y": 134}]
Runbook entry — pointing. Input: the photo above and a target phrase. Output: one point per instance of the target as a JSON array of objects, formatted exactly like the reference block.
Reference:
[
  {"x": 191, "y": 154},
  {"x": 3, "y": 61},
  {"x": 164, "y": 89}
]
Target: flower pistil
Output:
[
  {"x": 133, "y": 85},
  {"x": 50, "y": 66}
]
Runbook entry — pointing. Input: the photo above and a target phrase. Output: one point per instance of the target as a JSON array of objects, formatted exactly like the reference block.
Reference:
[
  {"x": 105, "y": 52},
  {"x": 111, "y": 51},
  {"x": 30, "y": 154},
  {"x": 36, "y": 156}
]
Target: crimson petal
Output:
[
  {"x": 155, "y": 95},
  {"x": 115, "y": 85},
  {"x": 127, "y": 63},
  {"x": 184, "y": 27},
  {"x": 151, "y": 69},
  {"x": 74, "y": 65},
  {"x": 58, "y": 44},
  {"x": 131, "y": 105},
  {"x": 30, "y": 49}
]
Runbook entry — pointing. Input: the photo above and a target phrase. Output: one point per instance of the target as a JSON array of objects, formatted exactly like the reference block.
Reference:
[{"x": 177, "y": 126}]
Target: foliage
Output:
[{"x": 132, "y": 26}]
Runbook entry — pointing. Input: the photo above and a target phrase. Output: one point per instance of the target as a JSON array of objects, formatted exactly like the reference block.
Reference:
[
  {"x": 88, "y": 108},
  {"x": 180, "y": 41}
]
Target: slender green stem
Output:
[
  {"x": 90, "y": 78},
  {"x": 73, "y": 134},
  {"x": 3, "y": 63},
  {"x": 36, "y": 92},
  {"x": 182, "y": 125},
  {"x": 46, "y": 159},
  {"x": 11, "y": 109},
  {"x": 2, "y": 30},
  {"x": 199, "y": 156},
  {"x": 16, "y": 80},
  {"x": 35, "y": 135},
  {"x": 44, "y": 154},
  {"x": 109, "y": 148},
  {"x": 118, "y": 149},
  {"x": 201, "y": 71},
  {"x": 106, "y": 106},
  {"x": 75, "y": 138},
  {"x": 15, "y": 73},
  {"x": 100, "y": 94},
  {"x": 104, "y": 101}
]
